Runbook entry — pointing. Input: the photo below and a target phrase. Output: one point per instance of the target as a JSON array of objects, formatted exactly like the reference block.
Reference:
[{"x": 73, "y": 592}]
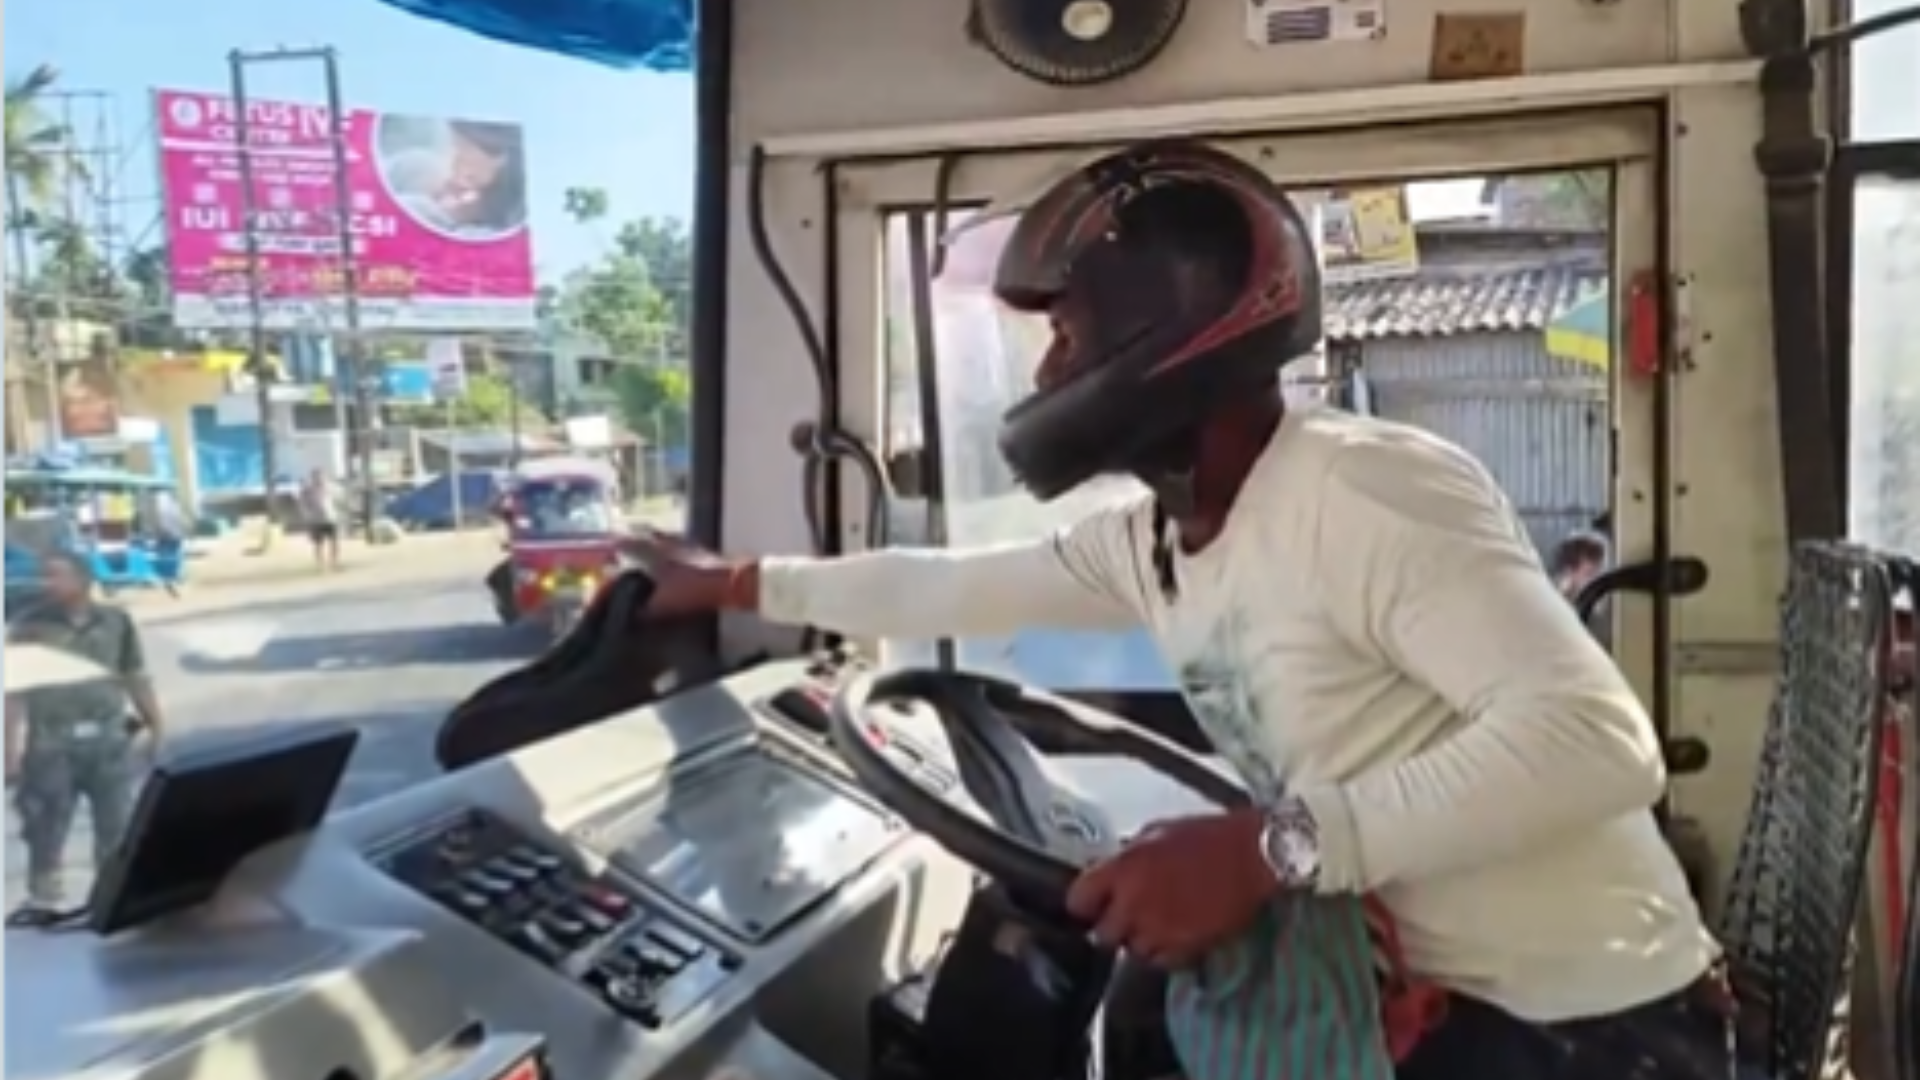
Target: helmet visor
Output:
[
  {"x": 987, "y": 249},
  {"x": 988, "y": 351}
]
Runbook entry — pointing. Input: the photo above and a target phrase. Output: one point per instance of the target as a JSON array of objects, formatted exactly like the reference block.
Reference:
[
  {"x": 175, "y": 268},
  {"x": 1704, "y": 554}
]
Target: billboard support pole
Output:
[
  {"x": 256, "y": 303},
  {"x": 355, "y": 359},
  {"x": 352, "y": 361}
]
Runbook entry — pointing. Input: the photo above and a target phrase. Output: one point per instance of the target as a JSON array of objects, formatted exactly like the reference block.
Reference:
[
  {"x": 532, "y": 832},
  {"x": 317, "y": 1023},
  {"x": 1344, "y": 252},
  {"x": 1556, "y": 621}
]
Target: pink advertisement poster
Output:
[{"x": 437, "y": 210}]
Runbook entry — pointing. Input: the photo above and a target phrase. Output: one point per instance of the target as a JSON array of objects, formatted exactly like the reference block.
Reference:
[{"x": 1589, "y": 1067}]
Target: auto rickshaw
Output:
[
  {"x": 129, "y": 527},
  {"x": 563, "y": 530}
]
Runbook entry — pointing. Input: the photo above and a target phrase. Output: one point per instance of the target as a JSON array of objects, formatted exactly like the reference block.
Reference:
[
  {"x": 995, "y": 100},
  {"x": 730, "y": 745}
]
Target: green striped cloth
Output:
[{"x": 1297, "y": 998}]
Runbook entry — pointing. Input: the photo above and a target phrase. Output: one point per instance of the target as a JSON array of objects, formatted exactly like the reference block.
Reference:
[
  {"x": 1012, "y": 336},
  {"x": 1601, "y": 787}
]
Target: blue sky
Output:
[{"x": 630, "y": 133}]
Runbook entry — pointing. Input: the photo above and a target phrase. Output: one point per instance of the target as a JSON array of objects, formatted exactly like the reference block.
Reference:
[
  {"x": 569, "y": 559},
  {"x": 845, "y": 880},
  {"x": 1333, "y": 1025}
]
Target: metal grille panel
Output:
[
  {"x": 1903, "y": 747},
  {"x": 1797, "y": 884}
]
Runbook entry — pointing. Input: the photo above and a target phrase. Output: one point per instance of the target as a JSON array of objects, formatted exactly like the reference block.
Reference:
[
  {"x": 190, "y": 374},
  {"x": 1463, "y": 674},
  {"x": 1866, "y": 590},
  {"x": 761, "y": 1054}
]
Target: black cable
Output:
[
  {"x": 822, "y": 441},
  {"x": 932, "y": 436},
  {"x": 942, "y": 208},
  {"x": 1854, "y": 32}
]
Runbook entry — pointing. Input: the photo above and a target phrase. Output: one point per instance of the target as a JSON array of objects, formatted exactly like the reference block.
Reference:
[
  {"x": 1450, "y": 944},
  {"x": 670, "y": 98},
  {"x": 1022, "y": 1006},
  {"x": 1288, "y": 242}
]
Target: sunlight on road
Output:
[{"x": 386, "y": 649}]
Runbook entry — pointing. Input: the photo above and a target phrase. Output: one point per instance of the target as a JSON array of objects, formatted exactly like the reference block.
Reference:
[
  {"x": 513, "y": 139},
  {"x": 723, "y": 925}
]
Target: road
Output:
[{"x": 387, "y": 658}]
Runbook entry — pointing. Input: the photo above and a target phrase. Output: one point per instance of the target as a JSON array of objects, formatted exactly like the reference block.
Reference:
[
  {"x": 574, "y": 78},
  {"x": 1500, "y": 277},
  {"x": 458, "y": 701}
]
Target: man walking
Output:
[
  {"x": 320, "y": 509},
  {"x": 75, "y": 741}
]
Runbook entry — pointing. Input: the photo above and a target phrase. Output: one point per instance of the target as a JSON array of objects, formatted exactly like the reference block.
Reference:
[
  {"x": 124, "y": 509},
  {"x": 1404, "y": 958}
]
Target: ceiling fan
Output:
[{"x": 1074, "y": 42}]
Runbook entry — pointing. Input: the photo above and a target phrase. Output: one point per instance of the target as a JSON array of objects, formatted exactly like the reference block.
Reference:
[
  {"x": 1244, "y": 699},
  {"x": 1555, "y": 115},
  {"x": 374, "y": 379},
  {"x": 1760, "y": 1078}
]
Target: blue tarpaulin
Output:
[{"x": 649, "y": 35}]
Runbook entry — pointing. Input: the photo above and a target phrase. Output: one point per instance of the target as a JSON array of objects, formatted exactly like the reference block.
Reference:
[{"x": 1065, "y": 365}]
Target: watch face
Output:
[{"x": 1292, "y": 851}]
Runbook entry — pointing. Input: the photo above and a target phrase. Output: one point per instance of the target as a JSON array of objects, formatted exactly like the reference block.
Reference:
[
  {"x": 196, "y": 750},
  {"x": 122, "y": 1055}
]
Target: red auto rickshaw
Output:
[{"x": 563, "y": 534}]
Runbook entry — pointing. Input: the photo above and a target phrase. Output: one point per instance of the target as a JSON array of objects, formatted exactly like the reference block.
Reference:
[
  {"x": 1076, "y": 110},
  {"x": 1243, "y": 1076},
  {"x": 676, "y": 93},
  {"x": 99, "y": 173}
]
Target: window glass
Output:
[
  {"x": 1884, "y": 496},
  {"x": 1886, "y": 78},
  {"x": 523, "y": 270}
]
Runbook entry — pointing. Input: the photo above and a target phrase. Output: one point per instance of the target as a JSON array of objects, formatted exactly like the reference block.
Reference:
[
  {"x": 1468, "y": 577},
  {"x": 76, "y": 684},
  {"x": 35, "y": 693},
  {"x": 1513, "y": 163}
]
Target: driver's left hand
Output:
[{"x": 1182, "y": 889}]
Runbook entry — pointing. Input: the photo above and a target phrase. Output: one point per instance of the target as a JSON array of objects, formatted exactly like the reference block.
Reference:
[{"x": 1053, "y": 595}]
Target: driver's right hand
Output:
[{"x": 687, "y": 578}]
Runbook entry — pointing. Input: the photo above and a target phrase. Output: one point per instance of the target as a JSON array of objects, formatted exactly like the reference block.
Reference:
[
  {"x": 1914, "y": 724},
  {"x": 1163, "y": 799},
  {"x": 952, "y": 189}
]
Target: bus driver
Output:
[{"x": 1359, "y": 621}]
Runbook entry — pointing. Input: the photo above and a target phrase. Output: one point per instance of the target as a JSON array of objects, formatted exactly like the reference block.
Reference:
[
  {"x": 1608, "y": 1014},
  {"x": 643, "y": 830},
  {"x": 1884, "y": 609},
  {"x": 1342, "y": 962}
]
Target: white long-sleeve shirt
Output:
[{"x": 1371, "y": 632}]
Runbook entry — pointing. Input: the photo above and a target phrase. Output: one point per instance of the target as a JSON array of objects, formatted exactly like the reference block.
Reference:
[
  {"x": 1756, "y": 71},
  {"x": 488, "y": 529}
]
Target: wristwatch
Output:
[{"x": 1290, "y": 844}]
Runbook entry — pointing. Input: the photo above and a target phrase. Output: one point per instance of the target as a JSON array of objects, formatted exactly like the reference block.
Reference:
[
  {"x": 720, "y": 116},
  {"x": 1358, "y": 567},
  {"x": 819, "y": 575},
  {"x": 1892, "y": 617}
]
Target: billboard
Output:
[
  {"x": 89, "y": 400},
  {"x": 437, "y": 209},
  {"x": 1367, "y": 235}
]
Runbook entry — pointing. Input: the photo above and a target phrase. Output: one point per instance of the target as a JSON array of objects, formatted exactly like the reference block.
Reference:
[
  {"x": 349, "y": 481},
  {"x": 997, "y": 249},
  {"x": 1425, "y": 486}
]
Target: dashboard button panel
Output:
[{"x": 590, "y": 928}]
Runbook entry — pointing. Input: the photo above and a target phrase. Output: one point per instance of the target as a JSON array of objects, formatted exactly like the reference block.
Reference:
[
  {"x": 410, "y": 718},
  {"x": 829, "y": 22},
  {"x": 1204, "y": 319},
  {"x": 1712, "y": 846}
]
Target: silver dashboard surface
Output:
[
  {"x": 315, "y": 958},
  {"x": 752, "y": 842}
]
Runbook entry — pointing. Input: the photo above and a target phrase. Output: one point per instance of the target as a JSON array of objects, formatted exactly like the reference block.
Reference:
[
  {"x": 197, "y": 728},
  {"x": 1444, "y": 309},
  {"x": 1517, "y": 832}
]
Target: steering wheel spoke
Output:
[{"x": 1031, "y": 838}]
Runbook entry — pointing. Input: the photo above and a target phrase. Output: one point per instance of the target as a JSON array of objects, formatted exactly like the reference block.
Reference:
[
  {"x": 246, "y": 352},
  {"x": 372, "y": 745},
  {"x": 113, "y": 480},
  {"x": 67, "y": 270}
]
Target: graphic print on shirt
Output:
[{"x": 1215, "y": 683}]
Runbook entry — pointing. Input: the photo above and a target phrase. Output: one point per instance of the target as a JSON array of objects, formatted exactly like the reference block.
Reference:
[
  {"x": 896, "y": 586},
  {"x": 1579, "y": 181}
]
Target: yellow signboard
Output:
[{"x": 1368, "y": 235}]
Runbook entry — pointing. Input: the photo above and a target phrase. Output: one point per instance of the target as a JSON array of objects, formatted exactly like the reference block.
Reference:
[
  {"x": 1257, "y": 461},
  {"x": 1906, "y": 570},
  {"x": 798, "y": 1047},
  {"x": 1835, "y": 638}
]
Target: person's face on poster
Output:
[{"x": 472, "y": 170}]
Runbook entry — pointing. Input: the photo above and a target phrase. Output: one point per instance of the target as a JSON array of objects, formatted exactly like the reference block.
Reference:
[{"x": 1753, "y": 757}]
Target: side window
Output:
[
  {"x": 1885, "y": 72},
  {"x": 1884, "y": 458}
]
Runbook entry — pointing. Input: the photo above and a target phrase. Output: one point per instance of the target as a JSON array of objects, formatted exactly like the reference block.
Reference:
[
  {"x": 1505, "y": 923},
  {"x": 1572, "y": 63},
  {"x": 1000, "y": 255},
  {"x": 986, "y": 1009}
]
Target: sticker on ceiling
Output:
[
  {"x": 1295, "y": 22},
  {"x": 1074, "y": 42},
  {"x": 1478, "y": 47}
]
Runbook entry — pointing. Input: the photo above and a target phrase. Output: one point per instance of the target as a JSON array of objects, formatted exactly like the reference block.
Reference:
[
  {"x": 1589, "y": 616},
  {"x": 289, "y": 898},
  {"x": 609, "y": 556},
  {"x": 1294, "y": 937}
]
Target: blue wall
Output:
[
  {"x": 163, "y": 456},
  {"x": 226, "y": 457}
]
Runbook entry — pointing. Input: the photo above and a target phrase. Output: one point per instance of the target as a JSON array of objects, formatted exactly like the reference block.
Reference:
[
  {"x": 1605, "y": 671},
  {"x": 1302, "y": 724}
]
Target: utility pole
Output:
[
  {"x": 355, "y": 364},
  {"x": 351, "y": 357},
  {"x": 256, "y": 288},
  {"x": 491, "y": 361}
]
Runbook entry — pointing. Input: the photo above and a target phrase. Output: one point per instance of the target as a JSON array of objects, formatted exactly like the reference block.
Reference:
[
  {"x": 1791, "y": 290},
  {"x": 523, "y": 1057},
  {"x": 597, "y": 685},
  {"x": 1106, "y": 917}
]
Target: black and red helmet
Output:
[{"x": 1178, "y": 278}]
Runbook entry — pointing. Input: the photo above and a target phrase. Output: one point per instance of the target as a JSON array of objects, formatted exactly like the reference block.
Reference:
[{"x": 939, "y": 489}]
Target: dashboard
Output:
[{"x": 691, "y": 889}]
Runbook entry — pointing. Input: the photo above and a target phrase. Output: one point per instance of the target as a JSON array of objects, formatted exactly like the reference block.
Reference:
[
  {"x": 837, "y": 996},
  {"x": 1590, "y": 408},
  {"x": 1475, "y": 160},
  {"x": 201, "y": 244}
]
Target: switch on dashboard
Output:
[{"x": 804, "y": 704}]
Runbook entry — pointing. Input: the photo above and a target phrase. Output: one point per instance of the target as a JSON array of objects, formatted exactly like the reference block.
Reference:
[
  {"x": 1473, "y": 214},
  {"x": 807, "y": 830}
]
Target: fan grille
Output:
[{"x": 1032, "y": 39}]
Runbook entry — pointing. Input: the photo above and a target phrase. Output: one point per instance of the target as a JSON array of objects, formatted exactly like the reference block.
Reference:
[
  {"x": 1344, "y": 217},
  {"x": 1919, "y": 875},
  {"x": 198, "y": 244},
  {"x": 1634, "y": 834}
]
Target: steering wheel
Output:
[{"x": 990, "y": 724}]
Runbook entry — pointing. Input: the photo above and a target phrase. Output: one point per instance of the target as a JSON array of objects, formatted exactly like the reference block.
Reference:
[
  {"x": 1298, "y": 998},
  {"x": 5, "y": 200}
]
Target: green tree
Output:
[
  {"x": 1581, "y": 199},
  {"x": 72, "y": 279},
  {"x": 615, "y": 302},
  {"x": 586, "y": 204},
  {"x": 635, "y": 300},
  {"x": 36, "y": 146},
  {"x": 488, "y": 403},
  {"x": 653, "y": 402},
  {"x": 665, "y": 248}
]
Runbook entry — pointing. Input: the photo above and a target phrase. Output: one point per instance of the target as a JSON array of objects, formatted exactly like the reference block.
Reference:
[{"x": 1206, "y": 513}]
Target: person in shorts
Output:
[{"x": 320, "y": 510}]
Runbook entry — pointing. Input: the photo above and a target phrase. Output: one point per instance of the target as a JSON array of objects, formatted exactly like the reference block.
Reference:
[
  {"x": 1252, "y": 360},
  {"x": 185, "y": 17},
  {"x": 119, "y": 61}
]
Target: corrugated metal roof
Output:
[{"x": 1456, "y": 300}]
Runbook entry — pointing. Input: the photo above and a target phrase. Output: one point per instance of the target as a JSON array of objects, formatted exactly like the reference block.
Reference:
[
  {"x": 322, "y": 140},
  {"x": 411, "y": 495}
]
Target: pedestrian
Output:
[
  {"x": 1576, "y": 561},
  {"x": 320, "y": 509},
  {"x": 76, "y": 741}
]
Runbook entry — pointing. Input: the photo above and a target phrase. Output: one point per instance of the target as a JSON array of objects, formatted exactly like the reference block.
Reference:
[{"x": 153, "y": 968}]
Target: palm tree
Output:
[
  {"x": 37, "y": 158},
  {"x": 37, "y": 162},
  {"x": 34, "y": 140}
]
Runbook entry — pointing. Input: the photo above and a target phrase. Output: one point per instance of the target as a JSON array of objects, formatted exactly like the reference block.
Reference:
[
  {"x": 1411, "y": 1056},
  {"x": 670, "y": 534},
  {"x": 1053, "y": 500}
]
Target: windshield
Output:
[
  {"x": 521, "y": 271},
  {"x": 562, "y": 509}
]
